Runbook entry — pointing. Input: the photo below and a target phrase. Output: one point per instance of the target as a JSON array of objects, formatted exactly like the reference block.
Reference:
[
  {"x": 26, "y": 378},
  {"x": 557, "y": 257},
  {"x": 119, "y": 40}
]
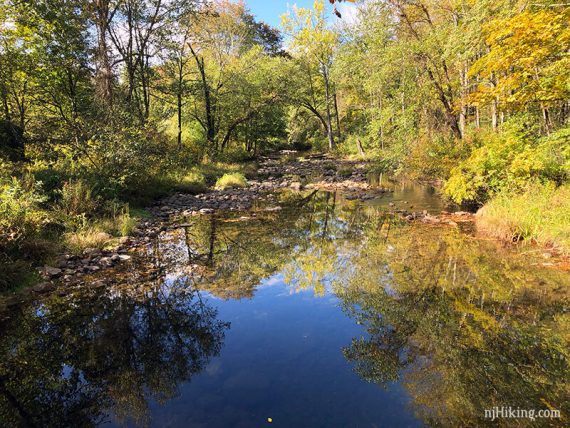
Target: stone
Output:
[
  {"x": 44, "y": 287},
  {"x": 124, "y": 257},
  {"x": 296, "y": 186},
  {"x": 52, "y": 272},
  {"x": 98, "y": 284},
  {"x": 206, "y": 211}
]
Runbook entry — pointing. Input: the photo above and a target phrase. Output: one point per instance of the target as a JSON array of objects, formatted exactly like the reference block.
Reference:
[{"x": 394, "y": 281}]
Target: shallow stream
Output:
[{"x": 325, "y": 313}]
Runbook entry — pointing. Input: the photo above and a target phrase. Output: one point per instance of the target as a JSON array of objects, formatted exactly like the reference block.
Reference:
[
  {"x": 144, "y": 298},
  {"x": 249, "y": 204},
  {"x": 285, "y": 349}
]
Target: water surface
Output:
[{"x": 325, "y": 313}]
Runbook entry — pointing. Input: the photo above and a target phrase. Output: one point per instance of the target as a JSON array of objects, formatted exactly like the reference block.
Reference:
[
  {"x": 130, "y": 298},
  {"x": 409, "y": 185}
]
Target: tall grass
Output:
[
  {"x": 231, "y": 180},
  {"x": 540, "y": 214}
]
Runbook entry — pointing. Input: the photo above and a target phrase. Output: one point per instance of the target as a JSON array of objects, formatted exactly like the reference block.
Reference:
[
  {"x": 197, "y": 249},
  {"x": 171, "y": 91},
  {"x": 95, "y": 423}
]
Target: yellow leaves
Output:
[
  {"x": 318, "y": 6},
  {"x": 527, "y": 60}
]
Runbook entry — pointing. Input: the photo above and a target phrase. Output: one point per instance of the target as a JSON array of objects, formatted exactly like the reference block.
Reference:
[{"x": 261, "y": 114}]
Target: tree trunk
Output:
[
  {"x": 338, "y": 131},
  {"x": 328, "y": 107},
  {"x": 104, "y": 74},
  {"x": 5, "y": 105},
  {"x": 210, "y": 120},
  {"x": 547, "y": 121},
  {"x": 495, "y": 114},
  {"x": 179, "y": 106},
  {"x": 463, "y": 113},
  {"x": 360, "y": 148}
]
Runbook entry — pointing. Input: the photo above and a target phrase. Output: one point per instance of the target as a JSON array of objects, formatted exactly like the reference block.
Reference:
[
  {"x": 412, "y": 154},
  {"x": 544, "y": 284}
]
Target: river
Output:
[{"x": 326, "y": 313}]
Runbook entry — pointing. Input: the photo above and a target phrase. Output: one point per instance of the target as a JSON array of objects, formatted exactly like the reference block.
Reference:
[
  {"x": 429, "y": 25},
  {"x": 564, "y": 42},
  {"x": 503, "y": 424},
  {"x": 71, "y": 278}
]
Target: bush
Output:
[
  {"x": 231, "y": 180},
  {"x": 434, "y": 158},
  {"x": 14, "y": 273},
  {"x": 92, "y": 236},
  {"x": 541, "y": 214},
  {"x": 510, "y": 161}
]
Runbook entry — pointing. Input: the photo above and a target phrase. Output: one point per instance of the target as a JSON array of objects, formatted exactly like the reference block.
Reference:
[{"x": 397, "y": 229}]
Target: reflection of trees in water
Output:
[
  {"x": 69, "y": 363},
  {"x": 239, "y": 254},
  {"x": 463, "y": 327}
]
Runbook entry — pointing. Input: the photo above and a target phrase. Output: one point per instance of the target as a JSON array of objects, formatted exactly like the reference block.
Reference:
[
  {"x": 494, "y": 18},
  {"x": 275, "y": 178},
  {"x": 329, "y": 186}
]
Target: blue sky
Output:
[{"x": 270, "y": 11}]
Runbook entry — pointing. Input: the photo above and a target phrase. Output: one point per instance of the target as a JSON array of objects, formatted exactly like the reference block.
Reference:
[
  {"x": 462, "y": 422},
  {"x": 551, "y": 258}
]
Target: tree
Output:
[
  {"x": 313, "y": 46},
  {"x": 236, "y": 79},
  {"x": 525, "y": 66}
]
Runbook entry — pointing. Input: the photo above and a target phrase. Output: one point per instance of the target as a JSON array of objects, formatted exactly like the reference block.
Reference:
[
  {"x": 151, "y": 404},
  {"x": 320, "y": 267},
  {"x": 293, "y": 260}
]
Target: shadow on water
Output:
[{"x": 340, "y": 315}]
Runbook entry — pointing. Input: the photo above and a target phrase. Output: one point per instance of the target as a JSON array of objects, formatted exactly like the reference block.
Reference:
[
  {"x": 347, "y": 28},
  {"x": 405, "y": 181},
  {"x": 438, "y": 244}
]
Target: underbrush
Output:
[{"x": 539, "y": 214}]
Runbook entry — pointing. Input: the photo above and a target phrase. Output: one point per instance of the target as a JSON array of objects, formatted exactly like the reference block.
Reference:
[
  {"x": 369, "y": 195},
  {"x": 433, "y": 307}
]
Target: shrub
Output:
[
  {"x": 14, "y": 273},
  {"x": 434, "y": 158},
  {"x": 231, "y": 180},
  {"x": 89, "y": 237},
  {"x": 510, "y": 161},
  {"x": 126, "y": 224}
]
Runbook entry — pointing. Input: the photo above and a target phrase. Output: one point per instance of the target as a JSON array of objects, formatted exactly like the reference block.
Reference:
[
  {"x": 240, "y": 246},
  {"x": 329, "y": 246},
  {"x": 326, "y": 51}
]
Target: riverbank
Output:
[{"x": 540, "y": 215}]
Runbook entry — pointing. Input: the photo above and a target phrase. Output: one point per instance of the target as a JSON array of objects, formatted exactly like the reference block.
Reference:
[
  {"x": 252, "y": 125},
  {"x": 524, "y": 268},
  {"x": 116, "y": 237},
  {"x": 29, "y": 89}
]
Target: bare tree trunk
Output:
[
  {"x": 179, "y": 106},
  {"x": 5, "y": 105},
  {"x": 494, "y": 115},
  {"x": 463, "y": 113},
  {"x": 360, "y": 148},
  {"x": 547, "y": 121}
]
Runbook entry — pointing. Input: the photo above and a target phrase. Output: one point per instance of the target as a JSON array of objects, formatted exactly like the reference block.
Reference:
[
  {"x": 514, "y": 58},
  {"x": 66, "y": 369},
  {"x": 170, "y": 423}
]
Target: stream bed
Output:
[{"x": 319, "y": 312}]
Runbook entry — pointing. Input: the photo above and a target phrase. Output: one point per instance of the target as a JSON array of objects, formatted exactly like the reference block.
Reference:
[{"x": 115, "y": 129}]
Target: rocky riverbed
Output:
[{"x": 274, "y": 175}]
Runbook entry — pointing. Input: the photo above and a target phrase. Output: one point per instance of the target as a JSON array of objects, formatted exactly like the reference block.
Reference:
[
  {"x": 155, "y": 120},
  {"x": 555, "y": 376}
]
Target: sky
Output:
[{"x": 270, "y": 11}]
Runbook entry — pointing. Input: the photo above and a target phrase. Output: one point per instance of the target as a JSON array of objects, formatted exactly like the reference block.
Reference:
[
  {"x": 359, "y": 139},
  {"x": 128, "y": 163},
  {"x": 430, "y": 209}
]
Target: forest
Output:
[{"x": 108, "y": 105}]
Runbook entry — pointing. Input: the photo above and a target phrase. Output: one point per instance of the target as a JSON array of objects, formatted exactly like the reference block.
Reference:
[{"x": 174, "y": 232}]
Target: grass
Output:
[
  {"x": 102, "y": 233},
  {"x": 193, "y": 182},
  {"x": 231, "y": 180},
  {"x": 541, "y": 214},
  {"x": 89, "y": 237},
  {"x": 345, "y": 172},
  {"x": 200, "y": 177}
]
